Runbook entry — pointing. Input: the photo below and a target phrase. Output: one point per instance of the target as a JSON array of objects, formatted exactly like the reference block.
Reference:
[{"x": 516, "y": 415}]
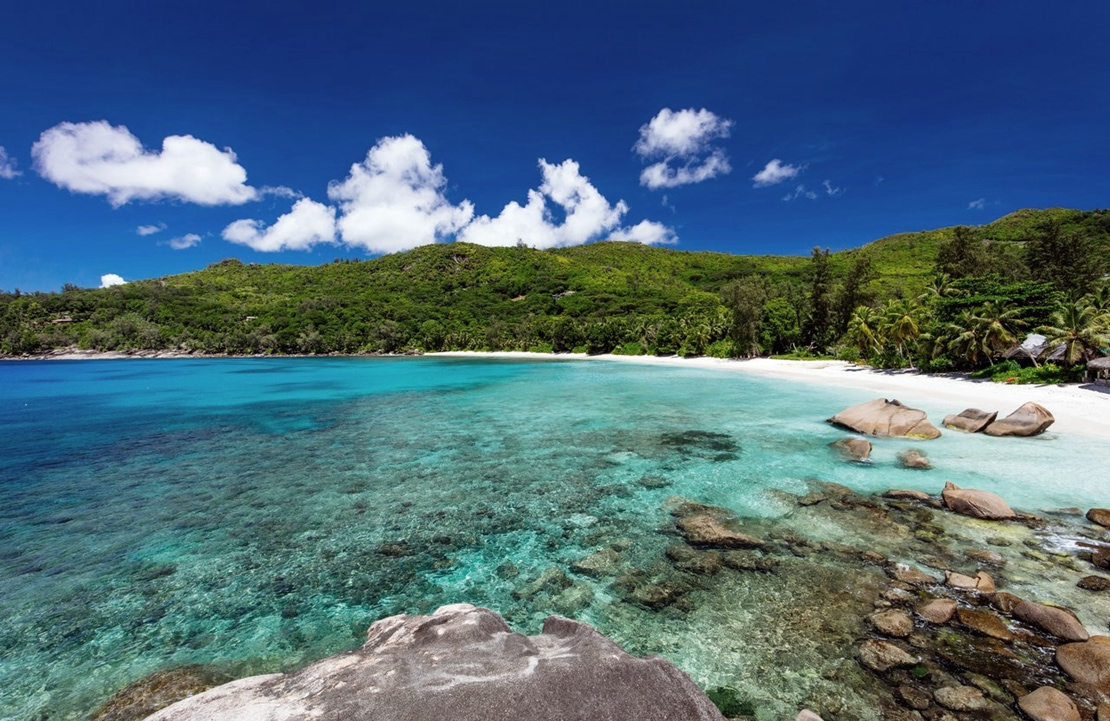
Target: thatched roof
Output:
[{"x": 1099, "y": 364}]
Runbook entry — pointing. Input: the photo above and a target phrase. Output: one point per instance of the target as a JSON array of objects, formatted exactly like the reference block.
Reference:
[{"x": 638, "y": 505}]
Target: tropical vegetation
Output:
[{"x": 948, "y": 299}]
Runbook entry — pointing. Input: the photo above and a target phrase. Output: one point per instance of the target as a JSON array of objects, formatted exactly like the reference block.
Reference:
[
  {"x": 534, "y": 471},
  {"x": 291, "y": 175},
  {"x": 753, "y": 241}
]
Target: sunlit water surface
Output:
[{"x": 258, "y": 514}]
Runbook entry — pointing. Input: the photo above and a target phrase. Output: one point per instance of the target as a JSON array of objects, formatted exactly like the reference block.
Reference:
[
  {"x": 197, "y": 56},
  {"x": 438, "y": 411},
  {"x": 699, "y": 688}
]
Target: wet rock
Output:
[
  {"x": 1004, "y": 602},
  {"x": 986, "y": 623},
  {"x": 653, "y": 482},
  {"x": 1030, "y": 419},
  {"x": 556, "y": 674},
  {"x": 983, "y": 555},
  {"x": 939, "y": 610},
  {"x": 1099, "y": 516},
  {"x": 749, "y": 561},
  {"x": 961, "y": 698},
  {"x": 909, "y": 574},
  {"x": 880, "y": 417},
  {"x": 1100, "y": 557},
  {"x": 981, "y": 581},
  {"x": 977, "y": 504},
  {"x": 1096, "y": 584},
  {"x": 915, "y": 697},
  {"x": 914, "y": 459},
  {"x": 706, "y": 529},
  {"x": 157, "y": 691},
  {"x": 1086, "y": 662},
  {"x": 906, "y": 495},
  {"x": 971, "y": 420},
  {"x": 852, "y": 449},
  {"x": 883, "y": 656},
  {"x": 661, "y": 593},
  {"x": 812, "y": 499},
  {"x": 1049, "y": 704},
  {"x": 1057, "y": 621},
  {"x": 892, "y": 623},
  {"x": 599, "y": 564}
]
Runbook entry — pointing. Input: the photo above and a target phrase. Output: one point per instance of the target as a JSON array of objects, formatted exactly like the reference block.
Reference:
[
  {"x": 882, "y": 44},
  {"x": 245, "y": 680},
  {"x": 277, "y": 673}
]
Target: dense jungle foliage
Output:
[{"x": 953, "y": 298}]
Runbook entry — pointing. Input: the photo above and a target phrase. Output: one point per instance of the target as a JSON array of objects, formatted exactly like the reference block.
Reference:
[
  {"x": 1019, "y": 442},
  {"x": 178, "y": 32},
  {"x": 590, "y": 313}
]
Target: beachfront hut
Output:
[{"x": 1098, "y": 371}]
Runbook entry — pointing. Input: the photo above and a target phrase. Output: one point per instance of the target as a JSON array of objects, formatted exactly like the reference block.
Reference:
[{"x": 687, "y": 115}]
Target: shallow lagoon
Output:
[{"x": 257, "y": 514}]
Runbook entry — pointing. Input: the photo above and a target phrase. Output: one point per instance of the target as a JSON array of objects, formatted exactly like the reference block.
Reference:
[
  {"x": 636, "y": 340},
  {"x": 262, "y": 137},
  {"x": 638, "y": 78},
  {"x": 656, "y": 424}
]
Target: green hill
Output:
[{"x": 603, "y": 296}]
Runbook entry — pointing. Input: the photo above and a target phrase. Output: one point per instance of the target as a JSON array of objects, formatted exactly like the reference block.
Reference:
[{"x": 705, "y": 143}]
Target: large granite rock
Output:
[
  {"x": 977, "y": 504},
  {"x": 1029, "y": 420},
  {"x": 971, "y": 420},
  {"x": 1049, "y": 704},
  {"x": 880, "y": 417},
  {"x": 1057, "y": 621},
  {"x": 463, "y": 663},
  {"x": 1086, "y": 662},
  {"x": 852, "y": 449}
]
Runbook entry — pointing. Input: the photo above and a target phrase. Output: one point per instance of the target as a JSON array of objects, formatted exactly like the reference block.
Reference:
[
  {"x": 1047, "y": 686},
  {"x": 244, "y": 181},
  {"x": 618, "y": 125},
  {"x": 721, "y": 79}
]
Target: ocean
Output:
[{"x": 256, "y": 514}]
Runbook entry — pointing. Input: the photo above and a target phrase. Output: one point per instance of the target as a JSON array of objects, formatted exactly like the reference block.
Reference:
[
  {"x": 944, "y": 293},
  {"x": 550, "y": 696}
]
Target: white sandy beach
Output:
[{"x": 1082, "y": 410}]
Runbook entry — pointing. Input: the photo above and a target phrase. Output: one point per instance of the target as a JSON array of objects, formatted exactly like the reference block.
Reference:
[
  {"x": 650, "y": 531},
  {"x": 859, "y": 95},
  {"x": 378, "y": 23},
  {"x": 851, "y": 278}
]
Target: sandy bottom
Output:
[{"x": 1079, "y": 409}]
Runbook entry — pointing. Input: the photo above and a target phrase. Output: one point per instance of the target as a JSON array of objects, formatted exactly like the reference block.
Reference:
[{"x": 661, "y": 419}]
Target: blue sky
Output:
[{"x": 145, "y": 139}]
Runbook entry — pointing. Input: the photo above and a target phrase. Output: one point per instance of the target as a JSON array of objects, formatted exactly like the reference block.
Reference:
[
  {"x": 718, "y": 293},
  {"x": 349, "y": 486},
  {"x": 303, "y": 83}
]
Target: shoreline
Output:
[{"x": 1078, "y": 409}]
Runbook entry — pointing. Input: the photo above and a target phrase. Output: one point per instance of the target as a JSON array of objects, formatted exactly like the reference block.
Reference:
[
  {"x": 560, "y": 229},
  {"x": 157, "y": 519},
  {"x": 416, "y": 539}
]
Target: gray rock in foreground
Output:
[{"x": 463, "y": 663}]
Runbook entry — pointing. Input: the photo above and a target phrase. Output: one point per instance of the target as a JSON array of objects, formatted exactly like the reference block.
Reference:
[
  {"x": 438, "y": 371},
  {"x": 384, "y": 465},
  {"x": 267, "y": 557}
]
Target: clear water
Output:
[{"x": 258, "y": 514}]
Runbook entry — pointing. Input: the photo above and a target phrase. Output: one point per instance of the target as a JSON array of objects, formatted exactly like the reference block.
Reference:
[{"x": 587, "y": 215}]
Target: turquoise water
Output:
[{"x": 257, "y": 514}]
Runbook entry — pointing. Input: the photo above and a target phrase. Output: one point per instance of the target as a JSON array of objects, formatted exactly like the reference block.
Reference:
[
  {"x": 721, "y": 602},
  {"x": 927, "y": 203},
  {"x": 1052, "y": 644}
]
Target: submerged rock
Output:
[
  {"x": 708, "y": 530},
  {"x": 1030, "y": 419},
  {"x": 463, "y": 663},
  {"x": 914, "y": 459},
  {"x": 892, "y": 623},
  {"x": 977, "y": 504},
  {"x": 961, "y": 698},
  {"x": 883, "y": 656},
  {"x": 880, "y": 417},
  {"x": 971, "y": 420},
  {"x": 158, "y": 690}
]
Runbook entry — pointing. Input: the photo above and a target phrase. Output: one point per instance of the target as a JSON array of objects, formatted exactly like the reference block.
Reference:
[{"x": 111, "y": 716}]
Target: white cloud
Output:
[
  {"x": 800, "y": 192},
  {"x": 7, "y": 165},
  {"x": 587, "y": 215},
  {"x": 145, "y": 230},
  {"x": 776, "y": 172},
  {"x": 682, "y": 142},
  {"x": 831, "y": 191},
  {"x": 647, "y": 232},
  {"x": 109, "y": 279},
  {"x": 977, "y": 204},
  {"x": 100, "y": 159},
  {"x": 393, "y": 200},
  {"x": 305, "y": 225},
  {"x": 186, "y": 241}
]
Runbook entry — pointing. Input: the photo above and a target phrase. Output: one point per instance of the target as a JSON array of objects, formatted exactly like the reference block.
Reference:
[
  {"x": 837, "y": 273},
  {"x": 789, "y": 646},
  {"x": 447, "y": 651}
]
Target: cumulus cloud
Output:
[
  {"x": 305, "y": 225},
  {"x": 977, "y": 204},
  {"x": 7, "y": 165},
  {"x": 185, "y": 241},
  {"x": 587, "y": 215},
  {"x": 101, "y": 159},
  {"x": 145, "y": 230},
  {"x": 109, "y": 279},
  {"x": 682, "y": 144},
  {"x": 776, "y": 172},
  {"x": 394, "y": 201}
]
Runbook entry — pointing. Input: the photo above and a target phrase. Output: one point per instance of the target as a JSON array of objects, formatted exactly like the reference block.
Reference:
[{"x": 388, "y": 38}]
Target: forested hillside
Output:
[{"x": 895, "y": 301}]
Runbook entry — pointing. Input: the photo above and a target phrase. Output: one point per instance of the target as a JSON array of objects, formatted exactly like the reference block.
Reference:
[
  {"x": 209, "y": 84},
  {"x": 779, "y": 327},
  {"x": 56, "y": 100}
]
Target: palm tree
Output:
[
  {"x": 965, "y": 339},
  {"x": 997, "y": 326},
  {"x": 901, "y": 325},
  {"x": 1080, "y": 329},
  {"x": 863, "y": 331}
]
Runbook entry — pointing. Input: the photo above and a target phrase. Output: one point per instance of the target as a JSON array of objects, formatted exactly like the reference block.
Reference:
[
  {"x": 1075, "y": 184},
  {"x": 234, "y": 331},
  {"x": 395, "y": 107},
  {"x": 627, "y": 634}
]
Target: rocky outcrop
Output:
[
  {"x": 880, "y": 417},
  {"x": 711, "y": 527},
  {"x": 465, "y": 664},
  {"x": 971, "y": 420},
  {"x": 1029, "y": 420},
  {"x": 977, "y": 504},
  {"x": 852, "y": 449},
  {"x": 158, "y": 690}
]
